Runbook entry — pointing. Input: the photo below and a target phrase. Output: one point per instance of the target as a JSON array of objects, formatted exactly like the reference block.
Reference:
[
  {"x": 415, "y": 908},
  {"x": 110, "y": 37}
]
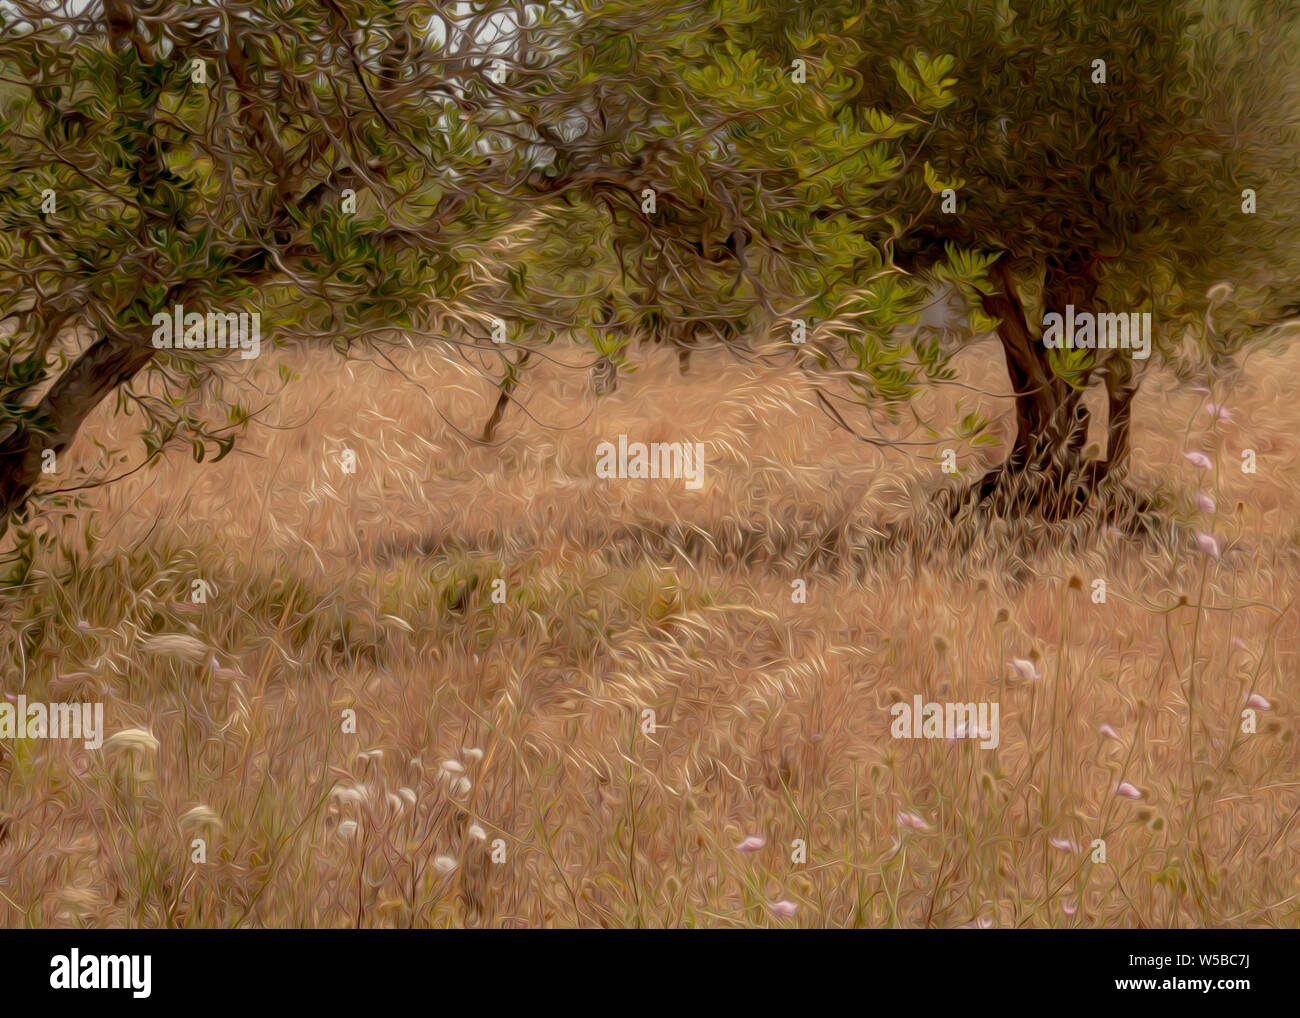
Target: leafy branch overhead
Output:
[{"x": 501, "y": 175}]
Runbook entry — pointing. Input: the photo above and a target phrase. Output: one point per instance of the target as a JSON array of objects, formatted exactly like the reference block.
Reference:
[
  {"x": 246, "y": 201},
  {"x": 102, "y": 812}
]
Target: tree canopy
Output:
[{"x": 784, "y": 179}]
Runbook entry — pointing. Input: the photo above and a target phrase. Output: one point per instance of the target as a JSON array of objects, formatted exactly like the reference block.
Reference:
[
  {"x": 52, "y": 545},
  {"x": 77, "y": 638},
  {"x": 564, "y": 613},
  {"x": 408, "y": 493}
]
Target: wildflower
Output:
[
  {"x": 752, "y": 843},
  {"x": 1024, "y": 669},
  {"x": 960, "y": 731},
  {"x": 357, "y": 795}
]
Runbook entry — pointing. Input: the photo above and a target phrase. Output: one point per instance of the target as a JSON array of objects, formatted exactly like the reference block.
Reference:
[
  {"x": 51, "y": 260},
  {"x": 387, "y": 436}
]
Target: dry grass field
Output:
[{"x": 501, "y": 772}]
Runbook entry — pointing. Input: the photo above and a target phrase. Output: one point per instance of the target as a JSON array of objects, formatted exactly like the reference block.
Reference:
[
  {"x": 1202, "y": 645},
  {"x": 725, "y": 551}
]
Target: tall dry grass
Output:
[{"x": 372, "y": 592}]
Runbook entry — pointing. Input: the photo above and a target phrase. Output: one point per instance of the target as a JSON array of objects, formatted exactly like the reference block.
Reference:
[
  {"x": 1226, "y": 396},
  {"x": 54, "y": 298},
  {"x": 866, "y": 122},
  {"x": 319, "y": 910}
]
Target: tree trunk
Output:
[
  {"x": 1037, "y": 392},
  {"x": 508, "y": 384},
  {"x": 106, "y": 364},
  {"x": 1121, "y": 387},
  {"x": 1045, "y": 471}
]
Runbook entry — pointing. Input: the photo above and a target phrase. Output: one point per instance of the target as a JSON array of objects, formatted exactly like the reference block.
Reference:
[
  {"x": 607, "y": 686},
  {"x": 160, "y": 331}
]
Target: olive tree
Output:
[
  {"x": 1108, "y": 156},
  {"x": 344, "y": 169}
]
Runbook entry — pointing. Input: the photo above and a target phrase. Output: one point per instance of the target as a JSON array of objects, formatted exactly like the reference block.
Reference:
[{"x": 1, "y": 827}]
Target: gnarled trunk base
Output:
[{"x": 1046, "y": 474}]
